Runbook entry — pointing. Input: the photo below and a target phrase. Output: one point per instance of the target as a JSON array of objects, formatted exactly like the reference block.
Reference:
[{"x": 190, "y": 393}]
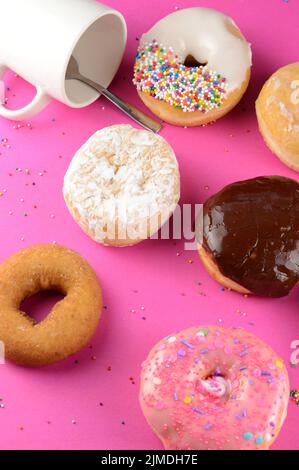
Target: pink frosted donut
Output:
[{"x": 213, "y": 388}]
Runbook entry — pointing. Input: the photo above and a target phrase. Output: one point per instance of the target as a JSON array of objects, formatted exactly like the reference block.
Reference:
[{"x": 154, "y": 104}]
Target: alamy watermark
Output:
[
  {"x": 295, "y": 93},
  {"x": 186, "y": 224},
  {"x": 295, "y": 355}
]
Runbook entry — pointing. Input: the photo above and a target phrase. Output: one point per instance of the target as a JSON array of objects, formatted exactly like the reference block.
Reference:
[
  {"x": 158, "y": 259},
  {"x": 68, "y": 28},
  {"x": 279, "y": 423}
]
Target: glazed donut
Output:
[
  {"x": 213, "y": 388},
  {"x": 251, "y": 236},
  {"x": 122, "y": 185},
  {"x": 72, "y": 321},
  {"x": 277, "y": 109},
  {"x": 192, "y": 67}
]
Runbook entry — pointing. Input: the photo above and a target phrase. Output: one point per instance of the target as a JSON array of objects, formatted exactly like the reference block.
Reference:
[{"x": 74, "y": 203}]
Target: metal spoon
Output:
[{"x": 73, "y": 73}]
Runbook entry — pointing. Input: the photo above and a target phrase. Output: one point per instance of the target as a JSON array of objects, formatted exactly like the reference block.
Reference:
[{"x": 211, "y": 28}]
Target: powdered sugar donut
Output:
[
  {"x": 192, "y": 67},
  {"x": 122, "y": 185},
  {"x": 214, "y": 388}
]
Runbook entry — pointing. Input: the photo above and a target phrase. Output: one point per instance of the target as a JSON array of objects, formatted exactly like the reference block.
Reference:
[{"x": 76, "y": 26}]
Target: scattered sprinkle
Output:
[
  {"x": 186, "y": 343},
  {"x": 181, "y": 353},
  {"x": 259, "y": 440},
  {"x": 294, "y": 395},
  {"x": 197, "y": 410},
  {"x": 187, "y": 400},
  {"x": 203, "y": 332}
]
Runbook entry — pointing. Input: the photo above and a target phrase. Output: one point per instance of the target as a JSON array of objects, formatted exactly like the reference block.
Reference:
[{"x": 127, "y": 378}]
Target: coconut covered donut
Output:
[
  {"x": 122, "y": 185},
  {"x": 251, "y": 236},
  {"x": 192, "y": 67},
  {"x": 277, "y": 109},
  {"x": 213, "y": 388},
  {"x": 72, "y": 321}
]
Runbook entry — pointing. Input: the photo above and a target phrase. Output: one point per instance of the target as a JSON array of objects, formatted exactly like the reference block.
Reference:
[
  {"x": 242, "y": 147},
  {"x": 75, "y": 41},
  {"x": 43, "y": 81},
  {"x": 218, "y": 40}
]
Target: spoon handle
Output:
[{"x": 134, "y": 113}]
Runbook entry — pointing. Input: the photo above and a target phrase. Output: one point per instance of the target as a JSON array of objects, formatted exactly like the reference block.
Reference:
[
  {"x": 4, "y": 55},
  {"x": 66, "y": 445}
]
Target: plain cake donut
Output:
[
  {"x": 70, "y": 324},
  {"x": 277, "y": 109}
]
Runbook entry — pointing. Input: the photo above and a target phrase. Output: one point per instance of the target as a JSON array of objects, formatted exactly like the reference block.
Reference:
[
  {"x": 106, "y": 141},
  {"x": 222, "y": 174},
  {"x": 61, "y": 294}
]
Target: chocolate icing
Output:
[{"x": 251, "y": 229}]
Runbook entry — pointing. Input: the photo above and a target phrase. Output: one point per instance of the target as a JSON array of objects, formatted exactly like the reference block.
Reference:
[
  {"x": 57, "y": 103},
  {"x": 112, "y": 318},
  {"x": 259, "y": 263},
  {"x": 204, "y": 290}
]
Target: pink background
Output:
[{"x": 149, "y": 290}]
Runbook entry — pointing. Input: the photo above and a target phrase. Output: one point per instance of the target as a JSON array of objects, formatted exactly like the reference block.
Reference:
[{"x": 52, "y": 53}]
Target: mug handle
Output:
[{"x": 38, "y": 103}]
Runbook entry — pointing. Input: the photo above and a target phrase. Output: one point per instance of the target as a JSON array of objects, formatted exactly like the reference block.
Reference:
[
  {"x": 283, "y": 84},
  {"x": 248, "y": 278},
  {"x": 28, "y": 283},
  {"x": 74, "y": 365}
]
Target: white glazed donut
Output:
[
  {"x": 277, "y": 109},
  {"x": 122, "y": 185},
  {"x": 193, "y": 66}
]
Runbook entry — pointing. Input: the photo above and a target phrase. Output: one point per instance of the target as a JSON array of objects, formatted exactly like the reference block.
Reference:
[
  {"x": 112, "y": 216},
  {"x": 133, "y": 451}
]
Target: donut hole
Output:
[
  {"x": 217, "y": 372},
  {"x": 38, "y": 306},
  {"x": 190, "y": 61},
  {"x": 215, "y": 384}
]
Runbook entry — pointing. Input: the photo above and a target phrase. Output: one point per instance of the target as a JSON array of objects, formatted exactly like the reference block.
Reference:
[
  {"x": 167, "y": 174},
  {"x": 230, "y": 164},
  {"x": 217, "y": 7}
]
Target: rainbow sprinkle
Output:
[
  {"x": 159, "y": 72},
  {"x": 294, "y": 395}
]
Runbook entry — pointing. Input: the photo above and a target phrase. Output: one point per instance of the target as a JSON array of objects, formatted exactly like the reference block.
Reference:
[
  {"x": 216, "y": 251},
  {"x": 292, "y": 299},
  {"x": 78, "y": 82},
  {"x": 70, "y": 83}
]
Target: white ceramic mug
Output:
[{"x": 38, "y": 37}]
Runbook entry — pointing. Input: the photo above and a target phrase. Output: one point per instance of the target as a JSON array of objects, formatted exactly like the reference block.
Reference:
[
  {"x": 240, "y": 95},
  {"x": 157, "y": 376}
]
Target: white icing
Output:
[
  {"x": 122, "y": 175},
  {"x": 203, "y": 33}
]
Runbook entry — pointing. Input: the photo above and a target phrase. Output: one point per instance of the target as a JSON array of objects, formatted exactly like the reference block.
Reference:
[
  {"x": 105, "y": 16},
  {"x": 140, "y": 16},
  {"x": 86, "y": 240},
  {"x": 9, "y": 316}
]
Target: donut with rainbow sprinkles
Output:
[{"x": 192, "y": 67}]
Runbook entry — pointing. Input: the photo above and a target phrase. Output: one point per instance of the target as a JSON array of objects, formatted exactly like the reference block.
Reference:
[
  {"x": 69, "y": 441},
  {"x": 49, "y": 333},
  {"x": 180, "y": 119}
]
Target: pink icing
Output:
[
  {"x": 2, "y": 92},
  {"x": 214, "y": 388}
]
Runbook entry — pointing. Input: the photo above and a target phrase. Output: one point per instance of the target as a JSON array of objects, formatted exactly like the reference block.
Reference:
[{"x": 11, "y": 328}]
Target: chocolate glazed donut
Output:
[{"x": 251, "y": 235}]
